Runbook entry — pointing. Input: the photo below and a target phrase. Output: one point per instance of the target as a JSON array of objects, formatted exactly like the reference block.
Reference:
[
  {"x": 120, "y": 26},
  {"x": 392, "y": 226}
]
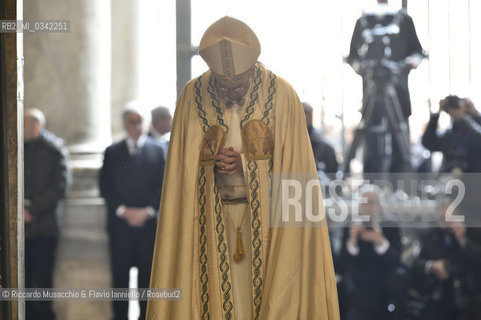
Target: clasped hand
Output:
[
  {"x": 228, "y": 161},
  {"x": 373, "y": 235},
  {"x": 136, "y": 217}
]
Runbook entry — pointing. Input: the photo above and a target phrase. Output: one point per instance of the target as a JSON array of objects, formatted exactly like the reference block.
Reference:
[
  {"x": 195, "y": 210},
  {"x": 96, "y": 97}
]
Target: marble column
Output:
[
  {"x": 11, "y": 244},
  {"x": 67, "y": 75},
  {"x": 125, "y": 25},
  {"x": 143, "y": 56}
]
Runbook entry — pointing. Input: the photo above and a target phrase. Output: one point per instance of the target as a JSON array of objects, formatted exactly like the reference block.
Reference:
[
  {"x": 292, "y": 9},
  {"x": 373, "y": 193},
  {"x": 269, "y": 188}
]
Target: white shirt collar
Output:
[
  {"x": 155, "y": 133},
  {"x": 131, "y": 143},
  {"x": 160, "y": 137}
]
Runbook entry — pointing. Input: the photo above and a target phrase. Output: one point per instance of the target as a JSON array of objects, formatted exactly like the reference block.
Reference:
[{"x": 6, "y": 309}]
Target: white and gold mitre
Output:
[{"x": 229, "y": 47}]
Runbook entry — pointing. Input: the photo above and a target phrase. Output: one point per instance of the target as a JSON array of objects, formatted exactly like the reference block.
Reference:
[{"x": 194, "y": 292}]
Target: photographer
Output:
[
  {"x": 384, "y": 48},
  {"x": 446, "y": 273},
  {"x": 471, "y": 109},
  {"x": 461, "y": 144},
  {"x": 369, "y": 261}
]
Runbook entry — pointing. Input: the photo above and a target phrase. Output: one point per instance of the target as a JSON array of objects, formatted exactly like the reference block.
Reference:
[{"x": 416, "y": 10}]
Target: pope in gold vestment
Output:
[{"x": 282, "y": 273}]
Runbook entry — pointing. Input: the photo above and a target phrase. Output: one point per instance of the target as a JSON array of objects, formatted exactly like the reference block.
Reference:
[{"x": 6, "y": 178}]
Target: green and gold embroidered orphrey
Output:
[{"x": 256, "y": 125}]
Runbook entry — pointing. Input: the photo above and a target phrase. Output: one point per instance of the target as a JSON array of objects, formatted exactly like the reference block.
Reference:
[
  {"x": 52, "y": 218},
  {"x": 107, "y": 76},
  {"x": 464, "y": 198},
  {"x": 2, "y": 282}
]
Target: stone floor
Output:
[{"x": 82, "y": 261}]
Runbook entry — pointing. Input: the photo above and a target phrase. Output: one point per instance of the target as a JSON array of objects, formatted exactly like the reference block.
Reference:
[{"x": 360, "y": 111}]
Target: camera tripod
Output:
[{"x": 381, "y": 96}]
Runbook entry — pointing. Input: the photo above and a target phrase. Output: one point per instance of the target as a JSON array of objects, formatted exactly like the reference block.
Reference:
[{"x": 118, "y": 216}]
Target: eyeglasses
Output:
[
  {"x": 133, "y": 122},
  {"x": 223, "y": 88}
]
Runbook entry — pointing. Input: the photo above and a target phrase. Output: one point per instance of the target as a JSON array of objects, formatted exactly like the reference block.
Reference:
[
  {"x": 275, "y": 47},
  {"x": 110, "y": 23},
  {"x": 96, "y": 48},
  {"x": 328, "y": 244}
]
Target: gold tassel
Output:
[{"x": 239, "y": 252}]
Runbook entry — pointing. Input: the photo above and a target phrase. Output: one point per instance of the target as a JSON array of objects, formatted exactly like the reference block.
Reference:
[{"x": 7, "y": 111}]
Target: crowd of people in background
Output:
[
  {"x": 379, "y": 277},
  {"x": 376, "y": 280},
  {"x": 130, "y": 182}
]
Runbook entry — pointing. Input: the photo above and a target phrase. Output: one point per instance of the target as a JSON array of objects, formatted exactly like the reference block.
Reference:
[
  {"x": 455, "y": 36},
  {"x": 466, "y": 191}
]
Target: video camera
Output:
[
  {"x": 383, "y": 71},
  {"x": 375, "y": 50}
]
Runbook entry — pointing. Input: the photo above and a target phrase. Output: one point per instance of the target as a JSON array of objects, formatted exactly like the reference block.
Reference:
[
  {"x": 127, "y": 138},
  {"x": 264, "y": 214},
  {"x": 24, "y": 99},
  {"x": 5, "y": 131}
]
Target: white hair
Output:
[
  {"x": 36, "y": 115},
  {"x": 137, "y": 107}
]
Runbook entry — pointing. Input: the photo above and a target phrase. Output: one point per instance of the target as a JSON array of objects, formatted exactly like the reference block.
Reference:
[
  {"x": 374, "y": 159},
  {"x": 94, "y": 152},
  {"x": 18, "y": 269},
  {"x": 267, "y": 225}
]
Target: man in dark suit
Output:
[
  {"x": 369, "y": 257},
  {"x": 131, "y": 182}
]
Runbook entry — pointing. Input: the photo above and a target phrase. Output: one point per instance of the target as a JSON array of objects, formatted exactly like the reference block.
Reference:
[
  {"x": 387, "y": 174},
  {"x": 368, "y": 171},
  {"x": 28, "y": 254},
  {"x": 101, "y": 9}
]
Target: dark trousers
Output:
[
  {"x": 39, "y": 265},
  {"x": 131, "y": 246}
]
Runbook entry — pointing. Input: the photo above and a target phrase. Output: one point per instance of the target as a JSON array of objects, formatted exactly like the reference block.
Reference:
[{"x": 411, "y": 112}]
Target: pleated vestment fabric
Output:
[{"x": 292, "y": 275}]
